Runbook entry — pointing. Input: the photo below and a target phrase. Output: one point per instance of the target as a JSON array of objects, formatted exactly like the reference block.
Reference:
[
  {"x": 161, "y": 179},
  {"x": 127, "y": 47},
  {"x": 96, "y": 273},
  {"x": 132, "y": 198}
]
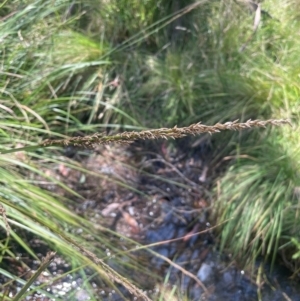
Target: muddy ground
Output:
[{"x": 159, "y": 193}]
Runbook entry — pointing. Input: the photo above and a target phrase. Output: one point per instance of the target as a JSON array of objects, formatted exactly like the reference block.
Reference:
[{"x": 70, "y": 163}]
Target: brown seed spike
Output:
[{"x": 164, "y": 133}]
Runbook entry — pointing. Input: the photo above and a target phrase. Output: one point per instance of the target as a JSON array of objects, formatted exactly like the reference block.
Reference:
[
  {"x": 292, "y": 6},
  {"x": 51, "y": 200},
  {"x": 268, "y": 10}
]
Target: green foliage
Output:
[
  {"x": 260, "y": 189},
  {"x": 257, "y": 198},
  {"x": 80, "y": 66},
  {"x": 46, "y": 66},
  {"x": 297, "y": 245}
]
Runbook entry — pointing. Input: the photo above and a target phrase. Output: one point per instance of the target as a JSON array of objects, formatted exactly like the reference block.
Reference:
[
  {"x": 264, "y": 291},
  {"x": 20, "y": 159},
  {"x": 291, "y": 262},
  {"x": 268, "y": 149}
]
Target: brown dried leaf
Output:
[
  {"x": 191, "y": 233},
  {"x": 110, "y": 209},
  {"x": 131, "y": 221}
]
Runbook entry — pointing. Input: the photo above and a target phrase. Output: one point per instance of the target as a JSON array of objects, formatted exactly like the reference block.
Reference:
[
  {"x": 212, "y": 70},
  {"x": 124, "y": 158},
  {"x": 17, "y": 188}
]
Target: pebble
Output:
[{"x": 205, "y": 272}]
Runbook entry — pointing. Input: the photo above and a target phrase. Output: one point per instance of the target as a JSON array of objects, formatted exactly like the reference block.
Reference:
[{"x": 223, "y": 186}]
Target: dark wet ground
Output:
[
  {"x": 173, "y": 214},
  {"x": 199, "y": 255}
]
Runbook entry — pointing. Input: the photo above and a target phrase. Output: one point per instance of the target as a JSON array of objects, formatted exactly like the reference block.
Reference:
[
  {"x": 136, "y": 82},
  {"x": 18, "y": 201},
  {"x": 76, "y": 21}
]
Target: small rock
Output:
[
  {"x": 82, "y": 295},
  {"x": 228, "y": 278},
  {"x": 205, "y": 272}
]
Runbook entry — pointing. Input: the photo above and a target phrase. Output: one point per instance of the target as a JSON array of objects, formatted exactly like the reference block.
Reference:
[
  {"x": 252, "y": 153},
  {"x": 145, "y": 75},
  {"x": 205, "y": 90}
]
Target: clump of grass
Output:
[
  {"x": 260, "y": 189},
  {"x": 71, "y": 67},
  {"x": 31, "y": 209},
  {"x": 33, "y": 79},
  {"x": 259, "y": 186}
]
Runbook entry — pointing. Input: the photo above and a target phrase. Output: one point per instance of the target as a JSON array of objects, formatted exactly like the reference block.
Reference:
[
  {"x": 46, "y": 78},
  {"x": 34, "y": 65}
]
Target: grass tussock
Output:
[{"x": 81, "y": 67}]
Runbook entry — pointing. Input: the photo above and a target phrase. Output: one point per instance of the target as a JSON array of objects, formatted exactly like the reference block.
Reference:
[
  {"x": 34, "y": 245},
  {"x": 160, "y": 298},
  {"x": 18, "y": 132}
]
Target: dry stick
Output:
[
  {"x": 174, "y": 169},
  {"x": 255, "y": 26},
  {"x": 286, "y": 297},
  {"x": 171, "y": 240},
  {"x": 46, "y": 261},
  {"x": 165, "y": 133}
]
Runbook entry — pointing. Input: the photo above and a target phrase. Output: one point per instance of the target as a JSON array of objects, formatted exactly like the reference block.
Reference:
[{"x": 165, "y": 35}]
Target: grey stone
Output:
[{"x": 205, "y": 272}]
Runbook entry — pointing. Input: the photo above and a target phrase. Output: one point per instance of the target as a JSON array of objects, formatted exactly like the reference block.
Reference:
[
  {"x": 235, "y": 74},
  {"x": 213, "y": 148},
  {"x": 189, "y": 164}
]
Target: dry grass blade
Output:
[
  {"x": 46, "y": 261},
  {"x": 184, "y": 271},
  {"x": 3, "y": 213},
  {"x": 165, "y": 133},
  {"x": 109, "y": 272}
]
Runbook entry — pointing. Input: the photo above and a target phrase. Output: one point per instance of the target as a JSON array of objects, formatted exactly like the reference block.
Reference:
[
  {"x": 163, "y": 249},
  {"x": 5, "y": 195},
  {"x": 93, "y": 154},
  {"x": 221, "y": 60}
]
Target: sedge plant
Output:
[{"x": 74, "y": 67}]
